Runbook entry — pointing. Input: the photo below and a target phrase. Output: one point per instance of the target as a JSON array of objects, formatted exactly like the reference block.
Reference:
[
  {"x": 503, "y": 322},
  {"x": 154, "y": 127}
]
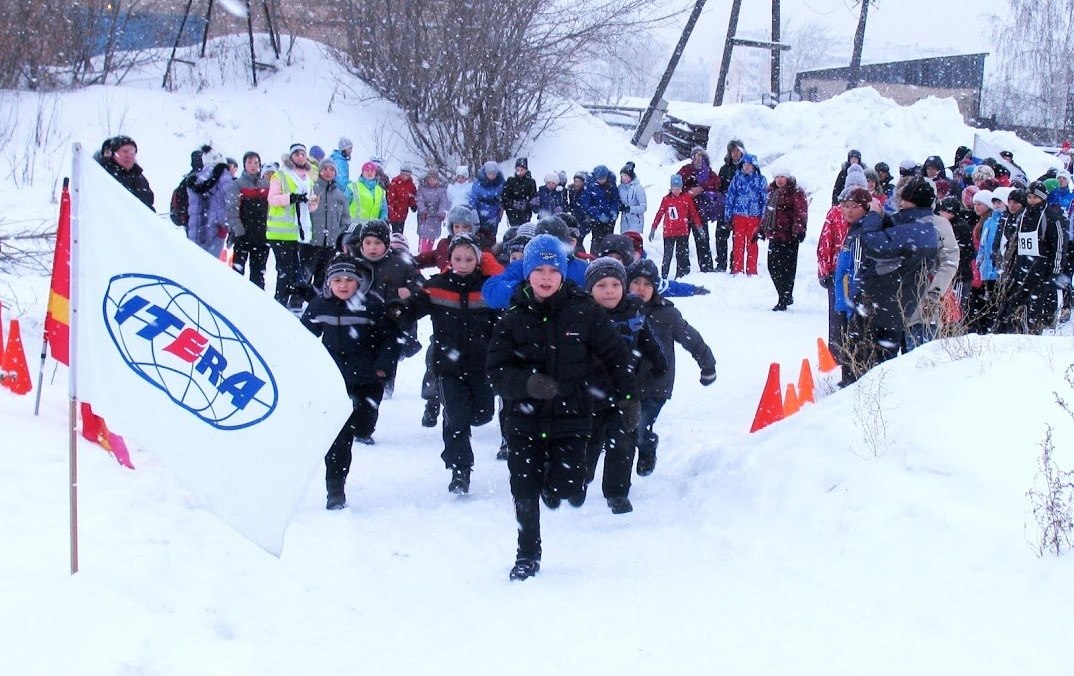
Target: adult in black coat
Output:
[
  {"x": 518, "y": 194},
  {"x": 853, "y": 157},
  {"x": 123, "y": 166},
  {"x": 542, "y": 359}
]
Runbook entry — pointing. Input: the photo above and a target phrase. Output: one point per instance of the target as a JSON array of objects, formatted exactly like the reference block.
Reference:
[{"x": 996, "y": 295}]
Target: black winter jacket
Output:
[
  {"x": 518, "y": 193},
  {"x": 392, "y": 272},
  {"x": 462, "y": 322},
  {"x": 133, "y": 180},
  {"x": 560, "y": 337},
  {"x": 668, "y": 324},
  {"x": 632, "y": 323},
  {"x": 357, "y": 335}
]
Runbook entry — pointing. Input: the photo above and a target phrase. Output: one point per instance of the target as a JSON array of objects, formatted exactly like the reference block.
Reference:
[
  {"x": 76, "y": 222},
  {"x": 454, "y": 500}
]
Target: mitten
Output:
[
  {"x": 652, "y": 235},
  {"x": 800, "y": 237},
  {"x": 299, "y": 198},
  {"x": 701, "y": 291},
  {"x": 708, "y": 376},
  {"x": 826, "y": 281},
  {"x": 540, "y": 386}
]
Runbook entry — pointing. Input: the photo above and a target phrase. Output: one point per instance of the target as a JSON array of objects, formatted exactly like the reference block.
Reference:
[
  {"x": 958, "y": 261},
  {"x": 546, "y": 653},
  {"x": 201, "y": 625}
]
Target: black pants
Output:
[
  {"x": 704, "y": 250},
  {"x": 837, "y": 328},
  {"x": 468, "y": 402},
  {"x": 397, "y": 226},
  {"x": 680, "y": 248},
  {"x": 257, "y": 254},
  {"x": 866, "y": 345},
  {"x": 599, "y": 231},
  {"x": 618, "y": 446},
  {"x": 553, "y": 465},
  {"x": 782, "y": 266},
  {"x": 288, "y": 269},
  {"x": 720, "y": 234},
  {"x": 647, "y": 437},
  {"x": 363, "y": 419}
]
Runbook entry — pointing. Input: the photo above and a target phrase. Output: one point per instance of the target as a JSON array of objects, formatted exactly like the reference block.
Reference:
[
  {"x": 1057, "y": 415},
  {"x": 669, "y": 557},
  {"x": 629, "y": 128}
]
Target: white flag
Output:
[
  {"x": 983, "y": 149},
  {"x": 195, "y": 364}
]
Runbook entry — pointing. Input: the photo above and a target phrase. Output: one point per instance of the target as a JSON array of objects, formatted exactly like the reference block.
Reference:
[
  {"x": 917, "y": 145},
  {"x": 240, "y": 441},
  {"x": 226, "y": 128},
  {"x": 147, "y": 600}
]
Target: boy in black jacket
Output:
[
  {"x": 613, "y": 432},
  {"x": 541, "y": 360},
  {"x": 462, "y": 329},
  {"x": 667, "y": 323},
  {"x": 350, "y": 321}
]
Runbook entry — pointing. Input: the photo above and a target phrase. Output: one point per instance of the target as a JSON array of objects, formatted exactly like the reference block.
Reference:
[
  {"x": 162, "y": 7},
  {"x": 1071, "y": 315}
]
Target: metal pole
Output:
[
  {"x": 668, "y": 72},
  {"x": 175, "y": 46},
  {"x": 208, "y": 22},
  {"x": 72, "y": 371},
  {"x": 776, "y": 54},
  {"x": 274, "y": 38},
  {"x": 250, "y": 32},
  {"x": 859, "y": 41},
  {"x": 728, "y": 45},
  {"x": 41, "y": 369}
]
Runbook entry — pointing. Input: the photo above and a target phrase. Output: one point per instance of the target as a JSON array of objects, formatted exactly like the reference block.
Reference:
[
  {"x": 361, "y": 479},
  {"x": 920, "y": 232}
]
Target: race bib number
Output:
[
  {"x": 1028, "y": 244},
  {"x": 673, "y": 213}
]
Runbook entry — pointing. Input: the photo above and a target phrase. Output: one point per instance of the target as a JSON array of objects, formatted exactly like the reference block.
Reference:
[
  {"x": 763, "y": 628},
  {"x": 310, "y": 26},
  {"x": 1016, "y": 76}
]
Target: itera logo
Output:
[{"x": 188, "y": 350}]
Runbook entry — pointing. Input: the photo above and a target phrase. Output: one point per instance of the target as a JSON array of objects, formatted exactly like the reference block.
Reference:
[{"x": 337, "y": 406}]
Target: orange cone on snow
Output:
[
  {"x": 791, "y": 405},
  {"x": 770, "y": 408},
  {"x": 14, "y": 367},
  {"x": 825, "y": 361},
  {"x": 805, "y": 385},
  {"x": 1, "y": 334}
]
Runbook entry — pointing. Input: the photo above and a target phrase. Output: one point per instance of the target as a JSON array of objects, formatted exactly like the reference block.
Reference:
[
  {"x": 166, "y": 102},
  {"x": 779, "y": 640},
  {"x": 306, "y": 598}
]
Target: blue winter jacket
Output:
[
  {"x": 632, "y": 195},
  {"x": 985, "y": 264},
  {"x": 601, "y": 202},
  {"x": 748, "y": 193},
  {"x": 486, "y": 197},
  {"x": 498, "y": 290},
  {"x": 550, "y": 202},
  {"x": 343, "y": 174}
]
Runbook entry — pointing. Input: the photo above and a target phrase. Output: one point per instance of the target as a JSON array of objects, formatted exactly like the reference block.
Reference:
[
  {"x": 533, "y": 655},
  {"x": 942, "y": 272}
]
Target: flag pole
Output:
[
  {"x": 44, "y": 334},
  {"x": 72, "y": 371}
]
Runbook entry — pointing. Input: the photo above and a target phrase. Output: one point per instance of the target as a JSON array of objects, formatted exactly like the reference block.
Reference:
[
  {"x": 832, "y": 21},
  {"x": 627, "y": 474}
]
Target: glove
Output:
[
  {"x": 758, "y": 235},
  {"x": 708, "y": 376},
  {"x": 540, "y": 386},
  {"x": 826, "y": 281},
  {"x": 394, "y": 310},
  {"x": 299, "y": 198},
  {"x": 624, "y": 208},
  {"x": 800, "y": 237},
  {"x": 652, "y": 235},
  {"x": 930, "y": 306},
  {"x": 631, "y": 411},
  {"x": 701, "y": 291}
]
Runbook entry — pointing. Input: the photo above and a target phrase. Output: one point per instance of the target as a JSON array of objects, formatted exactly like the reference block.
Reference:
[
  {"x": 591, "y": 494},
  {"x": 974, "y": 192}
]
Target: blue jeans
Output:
[{"x": 647, "y": 438}]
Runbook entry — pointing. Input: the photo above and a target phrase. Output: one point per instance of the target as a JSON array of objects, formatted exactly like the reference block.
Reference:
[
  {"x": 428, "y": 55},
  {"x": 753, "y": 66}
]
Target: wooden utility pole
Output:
[
  {"x": 775, "y": 46},
  {"x": 643, "y": 133},
  {"x": 859, "y": 41}
]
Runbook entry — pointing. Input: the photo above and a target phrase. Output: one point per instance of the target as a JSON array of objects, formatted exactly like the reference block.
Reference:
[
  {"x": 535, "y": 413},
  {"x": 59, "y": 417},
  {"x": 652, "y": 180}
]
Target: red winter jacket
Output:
[
  {"x": 790, "y": 211},
  {"x": 832, "y": 234},
  {"x": 402, "y": 195},
  {"x": 440, "y": 258},
  {"x": 678, "y": 213}
]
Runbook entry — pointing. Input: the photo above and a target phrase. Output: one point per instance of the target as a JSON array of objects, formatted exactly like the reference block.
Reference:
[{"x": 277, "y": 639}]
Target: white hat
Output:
[
  {"x": 462, "y": 170},
  {"x": 983, "y": 197}
]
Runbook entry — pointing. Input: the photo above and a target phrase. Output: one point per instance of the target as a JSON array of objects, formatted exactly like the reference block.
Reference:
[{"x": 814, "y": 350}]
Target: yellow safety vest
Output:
[
  {"x": 366, "y": 205},
  {"x": 283, "y": 221}
]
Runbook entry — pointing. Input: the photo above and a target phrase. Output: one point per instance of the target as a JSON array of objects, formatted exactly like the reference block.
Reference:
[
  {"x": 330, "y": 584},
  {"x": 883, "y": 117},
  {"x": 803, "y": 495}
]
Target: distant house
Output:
[{"x": 960, "y": 77}]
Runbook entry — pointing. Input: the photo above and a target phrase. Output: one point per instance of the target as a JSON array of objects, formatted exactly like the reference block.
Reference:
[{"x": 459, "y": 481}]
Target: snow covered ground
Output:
[{"x": 884, "y": 530}]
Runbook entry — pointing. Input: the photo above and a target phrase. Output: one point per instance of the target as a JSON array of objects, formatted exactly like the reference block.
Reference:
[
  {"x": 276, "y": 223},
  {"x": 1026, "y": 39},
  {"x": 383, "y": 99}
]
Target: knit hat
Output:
[
  {"x": 871, "y": 175},
  {"x": 370, "y": 166},
  {"x": 398, "y": 242},
  {"x": 882, "y": 166},
  {"x": 317, "y": 153},
  {"x": 1039, "y": 189},
  {"x": 983, "y": 197},
  {"x": 644, "y": 268},
  {"x": 602, "y": 268},
  {"x": 406, "y": 168},
  {"x": 461, "y": 213},
  {"x": 858, "y": 195},
  {"x": 522, "y": 162},
  {"x": 781, "y": 171},
  {"x": 983, "y": 172},
  {"x": 907, "y": 168},
  {"x": 544, "y": 250},
  {"x": 464, "y": 240},
  {"x": 295, "y": 147},
  {"x": 967, "y": 194},
  {"x": 462, "y": 170},
  {"x": 628, "y": 169},
  {"x": 950, "y": 204},
  {"x": 517, "y": 244},
  {"x": 345, "y": 266},
  {"x": 379, "y": 229},
  {"x": 856, "y": 177},
  {"x": 270, "y": 168},
  {"x": 620, "y": 245},
  {"x": 1017, "y": 195},
  {"x": 676, "y": 181},
  {"x": 551, "y": 177},
  {"x": 117, "y": 142},
  {"x": 854, "y": 153},
  {"x": 328, "y": 162},
  {"x": 636, "y": 241},
  {"x": 213, "y": 158},
  {"x": 1002, "y": 194},
  {"x": 582, "y": 175},
  {"x": 553, "y": 225},
  {"x": 490, "y": 167},
  {"x": 527, "y": 230},
  {"x": 1063, "y": 173},
  {"x": 345, "y": 143},
  {"x": 919, "y": 192}
]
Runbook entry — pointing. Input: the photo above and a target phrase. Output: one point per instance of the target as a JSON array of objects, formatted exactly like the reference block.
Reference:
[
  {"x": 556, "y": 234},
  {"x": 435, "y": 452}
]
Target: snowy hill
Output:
[{"x": 883, "y": 530}]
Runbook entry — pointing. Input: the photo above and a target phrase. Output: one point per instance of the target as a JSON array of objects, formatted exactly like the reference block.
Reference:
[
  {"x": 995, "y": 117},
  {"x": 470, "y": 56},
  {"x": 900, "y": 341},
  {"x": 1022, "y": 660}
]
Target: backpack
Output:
[{"x": 180, "y": 203}]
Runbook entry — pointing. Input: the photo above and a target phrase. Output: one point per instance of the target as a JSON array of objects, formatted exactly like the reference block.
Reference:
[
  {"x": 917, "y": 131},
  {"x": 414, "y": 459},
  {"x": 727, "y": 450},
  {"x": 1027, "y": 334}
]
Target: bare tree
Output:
[
  {"x": 479, "y": 79},
  {"x": 813, "y": 45},
  {"x": 1034, "y": 84}
]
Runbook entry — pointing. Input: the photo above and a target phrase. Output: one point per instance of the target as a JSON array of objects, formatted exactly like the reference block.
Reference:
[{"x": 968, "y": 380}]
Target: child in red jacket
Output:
[
  {"x": 679, "y": 214},
  {"x": 402, "y": 196}
]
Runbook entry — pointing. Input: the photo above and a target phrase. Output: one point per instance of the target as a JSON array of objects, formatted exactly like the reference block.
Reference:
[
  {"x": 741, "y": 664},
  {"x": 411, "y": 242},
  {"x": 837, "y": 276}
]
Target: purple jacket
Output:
[
  {"x": 208, "y": 207},
  {"x": 433, "y": 205}
]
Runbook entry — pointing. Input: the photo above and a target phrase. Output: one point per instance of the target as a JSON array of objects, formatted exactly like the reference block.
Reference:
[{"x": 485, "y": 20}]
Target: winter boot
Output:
[
  {"x": 620, "y": 505},
  {"x": 578, "y": 499},
  {"x": 336, "y": 497},
  {"x": 367, "y": 441},
  {"x": 524, "y": 569},
  {"x": 550, "y": 500},
  {"x": 460, "y": 481},
  {"x": 432, "y": 411},
  {"x": 646, "y": 463}
]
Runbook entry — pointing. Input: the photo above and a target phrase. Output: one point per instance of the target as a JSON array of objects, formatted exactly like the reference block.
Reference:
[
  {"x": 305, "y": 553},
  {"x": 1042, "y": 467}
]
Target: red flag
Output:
[{"x": 58, "y": 332}]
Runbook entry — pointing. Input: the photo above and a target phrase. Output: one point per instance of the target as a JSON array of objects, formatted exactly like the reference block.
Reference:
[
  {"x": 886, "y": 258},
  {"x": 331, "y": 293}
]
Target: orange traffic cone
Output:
[
  {"x": 825, "y": 361},
  {"x": 227, "y": 256},
  {"x": 1, "y": 334},
  {"x": 770, "y": 408},
  {"x": 791, "y": 405},
  {"x": 14, "y": 367},
  {"x": 805, "y": 385}
]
